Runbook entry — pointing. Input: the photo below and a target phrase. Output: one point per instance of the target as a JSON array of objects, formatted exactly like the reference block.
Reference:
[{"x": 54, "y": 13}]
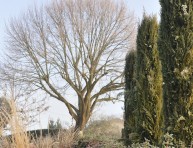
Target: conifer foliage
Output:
[
  {"x": 130, "y": 101},
  {"x": 176, "y": 53},
  {"x": 149, "y": 81},
  {"x": 143, "y": 97}
]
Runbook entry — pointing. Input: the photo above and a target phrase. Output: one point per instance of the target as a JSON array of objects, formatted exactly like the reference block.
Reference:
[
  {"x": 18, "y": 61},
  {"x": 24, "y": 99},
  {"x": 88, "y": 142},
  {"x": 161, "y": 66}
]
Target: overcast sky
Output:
[
  {"x": 149, "y": 6},
  {"x": 14, "y": 8}
]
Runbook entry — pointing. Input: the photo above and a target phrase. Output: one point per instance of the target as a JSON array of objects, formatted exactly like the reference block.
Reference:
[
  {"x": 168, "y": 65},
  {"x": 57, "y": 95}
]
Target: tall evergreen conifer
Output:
[
  {"x": 149, "y": 81},
  {"x": 176, "y": 53},
  {"x": 130, "y": 100}
]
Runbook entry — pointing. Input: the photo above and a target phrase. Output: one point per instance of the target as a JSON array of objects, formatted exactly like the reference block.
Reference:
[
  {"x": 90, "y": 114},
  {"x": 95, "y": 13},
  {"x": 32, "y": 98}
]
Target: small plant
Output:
[
  {"x": 181, "y": 144},
  {"x": 168, "y": 141},
  {"x": 145, "y": 144}
]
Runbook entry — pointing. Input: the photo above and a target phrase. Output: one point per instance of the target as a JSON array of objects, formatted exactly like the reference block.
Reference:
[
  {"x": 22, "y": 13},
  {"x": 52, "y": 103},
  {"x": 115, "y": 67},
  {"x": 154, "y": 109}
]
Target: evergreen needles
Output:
[
  {"x": 147, "y": 109},
  {"x": 143, "y": 97}
]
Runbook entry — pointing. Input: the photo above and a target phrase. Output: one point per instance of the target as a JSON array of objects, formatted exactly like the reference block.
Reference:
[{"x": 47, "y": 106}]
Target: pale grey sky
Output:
[
  {"x": 14, "y": 8},
  {"x": 150, "y": 7}
]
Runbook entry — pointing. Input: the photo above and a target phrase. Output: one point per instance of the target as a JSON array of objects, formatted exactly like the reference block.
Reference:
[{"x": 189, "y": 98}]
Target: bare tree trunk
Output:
[
  {"x": 83, "y": 115},
  {"x": 80, "y": 123}
]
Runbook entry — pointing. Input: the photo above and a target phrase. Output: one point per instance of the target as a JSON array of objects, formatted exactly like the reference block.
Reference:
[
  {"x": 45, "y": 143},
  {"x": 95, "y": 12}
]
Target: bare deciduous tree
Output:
[{"x": 72, "y": 46}]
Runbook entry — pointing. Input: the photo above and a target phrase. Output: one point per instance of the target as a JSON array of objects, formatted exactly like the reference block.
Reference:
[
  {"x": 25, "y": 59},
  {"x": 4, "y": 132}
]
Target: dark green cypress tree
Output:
[
  {"x": 149, "y": 81},
  {"x": 176, "y": 53},
  {"x": 130, "y": 100}
]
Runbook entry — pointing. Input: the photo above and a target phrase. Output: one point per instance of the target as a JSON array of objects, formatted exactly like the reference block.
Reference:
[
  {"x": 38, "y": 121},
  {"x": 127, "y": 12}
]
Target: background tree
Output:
[
  {"x": 176, "y": 53},
  {"x": 149, "y": 81},
  {"x": 75, "y": 46},
  {"x": 130, "y": 99},
  {"x": 54, "y": 125}
]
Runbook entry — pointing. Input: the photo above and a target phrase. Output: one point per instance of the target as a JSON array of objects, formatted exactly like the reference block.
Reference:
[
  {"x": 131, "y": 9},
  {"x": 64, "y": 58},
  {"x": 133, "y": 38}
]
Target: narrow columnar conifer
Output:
[
  {"x": 176, "y": 54},
  {"x": 130, "y": 100},
  {"x": 149, "y": 82}
]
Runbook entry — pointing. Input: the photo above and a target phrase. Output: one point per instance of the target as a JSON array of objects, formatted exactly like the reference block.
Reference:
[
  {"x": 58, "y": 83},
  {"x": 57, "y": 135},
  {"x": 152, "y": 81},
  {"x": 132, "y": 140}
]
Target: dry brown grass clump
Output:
[
  {"x": 19, "y": 137},
  {"x": 64, "y": 139},
  {"x": 67, "y": 138}
]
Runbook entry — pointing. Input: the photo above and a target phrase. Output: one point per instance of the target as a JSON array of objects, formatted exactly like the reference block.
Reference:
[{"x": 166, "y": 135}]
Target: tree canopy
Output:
[{"x": 72, "y": 46}]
